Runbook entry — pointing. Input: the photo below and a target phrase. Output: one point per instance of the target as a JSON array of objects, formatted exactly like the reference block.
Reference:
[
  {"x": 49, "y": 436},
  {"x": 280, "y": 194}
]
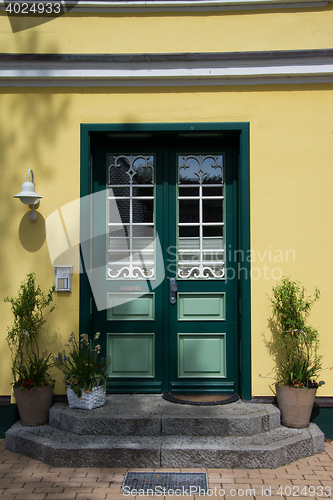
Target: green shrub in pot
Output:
[
  {"x": 33, "y": 384},
  {"x": 298, "y": 361}
]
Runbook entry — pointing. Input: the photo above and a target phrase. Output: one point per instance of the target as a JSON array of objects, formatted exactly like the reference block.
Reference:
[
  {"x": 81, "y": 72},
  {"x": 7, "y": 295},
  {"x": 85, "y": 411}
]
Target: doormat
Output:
[
  {"x": 201, "y": 399},
  {"x": 165, "y": 483}
]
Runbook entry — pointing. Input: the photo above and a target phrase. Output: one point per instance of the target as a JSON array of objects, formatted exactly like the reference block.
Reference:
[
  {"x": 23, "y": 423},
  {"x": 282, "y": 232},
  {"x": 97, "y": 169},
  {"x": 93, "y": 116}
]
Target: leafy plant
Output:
[
  {"x": 29, "y": 308},
  {"x": 83, "y": 368},
  {"x": 297, "y": 362},
  {"x": 35, "y": 371}
]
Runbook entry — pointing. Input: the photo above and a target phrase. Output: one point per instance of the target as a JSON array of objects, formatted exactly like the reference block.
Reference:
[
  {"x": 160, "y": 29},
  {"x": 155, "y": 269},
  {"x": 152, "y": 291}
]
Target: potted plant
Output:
[
  {"x": 85, "y": 372},
  {"x": 297, "y": 360},
  {"x": 33, "y": 385}
]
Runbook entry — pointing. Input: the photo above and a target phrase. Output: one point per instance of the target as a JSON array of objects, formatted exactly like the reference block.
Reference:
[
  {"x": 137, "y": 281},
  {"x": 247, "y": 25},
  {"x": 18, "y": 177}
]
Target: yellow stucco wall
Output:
[
  {"x": 291, "y": 202},
  {"x": 226, "y": 31},
  {"x": 290, "y": 154}
]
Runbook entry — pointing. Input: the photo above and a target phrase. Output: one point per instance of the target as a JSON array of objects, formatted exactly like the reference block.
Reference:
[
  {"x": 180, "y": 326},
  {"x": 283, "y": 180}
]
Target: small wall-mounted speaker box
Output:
[{"x": 63, "y": 278}]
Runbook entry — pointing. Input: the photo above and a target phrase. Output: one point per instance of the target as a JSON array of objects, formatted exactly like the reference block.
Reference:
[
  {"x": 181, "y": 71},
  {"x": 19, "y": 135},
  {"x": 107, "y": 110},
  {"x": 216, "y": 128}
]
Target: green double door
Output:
[{"x": 164, "y": 227}]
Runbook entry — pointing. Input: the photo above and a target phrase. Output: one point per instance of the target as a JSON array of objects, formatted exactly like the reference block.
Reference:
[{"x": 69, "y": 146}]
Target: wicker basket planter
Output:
[{"x": 88, "y": 400}]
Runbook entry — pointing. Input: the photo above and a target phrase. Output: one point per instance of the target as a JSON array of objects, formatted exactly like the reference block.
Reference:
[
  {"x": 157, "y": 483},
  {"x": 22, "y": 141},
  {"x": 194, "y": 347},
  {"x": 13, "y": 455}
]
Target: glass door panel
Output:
[
  {"x": 200, "y": 217},
  {"x": 131, "y": 226}
]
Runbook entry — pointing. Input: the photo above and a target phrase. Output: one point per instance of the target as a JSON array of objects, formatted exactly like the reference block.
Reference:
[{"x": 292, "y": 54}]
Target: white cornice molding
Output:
[
  {"x": 187, "y": 5},
  {"x": 156, "y": 70},
  {"x": 148, "y": 6}
]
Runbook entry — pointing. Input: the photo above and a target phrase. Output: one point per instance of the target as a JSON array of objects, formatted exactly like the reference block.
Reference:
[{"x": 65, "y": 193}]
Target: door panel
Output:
[
  {"x": 132, "y": 354},
  {"x": 127, "y": 261},
  {"x": 201, "y": 356},
  {"x": 199, "y": 306},
  {"x": 187, "y": 197},
  {"x": 203, "y": 334}
]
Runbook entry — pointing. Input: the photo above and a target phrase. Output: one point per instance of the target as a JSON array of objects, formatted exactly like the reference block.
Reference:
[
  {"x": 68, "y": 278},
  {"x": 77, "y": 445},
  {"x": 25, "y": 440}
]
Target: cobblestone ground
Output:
[{"x": 22, "y": 478}]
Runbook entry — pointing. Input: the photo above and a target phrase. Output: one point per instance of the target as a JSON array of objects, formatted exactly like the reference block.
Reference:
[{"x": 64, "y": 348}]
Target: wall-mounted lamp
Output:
[{"x": 28, "y": 196}]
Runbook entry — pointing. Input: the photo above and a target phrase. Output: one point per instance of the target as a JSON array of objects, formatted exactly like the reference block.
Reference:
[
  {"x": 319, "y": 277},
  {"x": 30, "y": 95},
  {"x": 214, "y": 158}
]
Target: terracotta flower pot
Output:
[
  {"x": 34, "y": 404},
  {"x": 295, "y": 404}
]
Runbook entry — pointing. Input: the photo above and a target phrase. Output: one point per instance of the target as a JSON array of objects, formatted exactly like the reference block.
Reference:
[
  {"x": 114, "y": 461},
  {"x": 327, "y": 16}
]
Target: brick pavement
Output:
[{"x": 22, "y": 478}]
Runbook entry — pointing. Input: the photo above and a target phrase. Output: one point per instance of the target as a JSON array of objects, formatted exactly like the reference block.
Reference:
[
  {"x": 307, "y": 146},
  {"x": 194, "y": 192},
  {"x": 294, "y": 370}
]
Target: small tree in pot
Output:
[
  {"x": 297, "y": 360},
  {"x": 33, "y": 385}
]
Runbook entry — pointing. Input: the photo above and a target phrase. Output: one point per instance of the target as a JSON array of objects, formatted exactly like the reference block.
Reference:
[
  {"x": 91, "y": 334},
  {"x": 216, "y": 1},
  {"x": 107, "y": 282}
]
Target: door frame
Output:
[{"x": 243, "y": 223}]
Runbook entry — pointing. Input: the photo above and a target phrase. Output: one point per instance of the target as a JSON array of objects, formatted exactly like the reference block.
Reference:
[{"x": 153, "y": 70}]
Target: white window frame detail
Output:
[
  {"x": 131, "y": 269},
  {"x": 202, "y": 270}
]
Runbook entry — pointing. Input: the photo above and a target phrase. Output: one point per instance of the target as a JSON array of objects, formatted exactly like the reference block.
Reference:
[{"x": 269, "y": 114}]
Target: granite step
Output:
[
  {"x": 151, "y": 415},
  {"x": 270, "y": 449}
]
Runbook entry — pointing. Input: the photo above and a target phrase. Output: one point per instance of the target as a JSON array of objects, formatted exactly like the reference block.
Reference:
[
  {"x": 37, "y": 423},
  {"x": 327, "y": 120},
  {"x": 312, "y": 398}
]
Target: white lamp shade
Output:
[{"x": 28, "y": 196}]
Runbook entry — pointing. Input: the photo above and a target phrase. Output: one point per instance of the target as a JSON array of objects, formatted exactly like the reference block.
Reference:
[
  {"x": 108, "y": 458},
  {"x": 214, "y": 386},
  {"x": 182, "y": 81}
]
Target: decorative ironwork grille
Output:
[
  {"x": 200, "y": 217},
  {"x": 131, "y": 221}
]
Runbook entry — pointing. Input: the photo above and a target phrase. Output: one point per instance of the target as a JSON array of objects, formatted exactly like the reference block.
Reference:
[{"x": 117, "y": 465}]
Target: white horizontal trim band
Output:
[
  {"x": 199, "y": 6},
  {"x": 132, "y": 198},
  {"x": 200, "y": 198},
  {"x": 110, "y": 6},
  {"x": 197, "y": 224},
  {"x": 55, "y": 74},
  {"x": 136, "y": 224},
  {"x": 160, "y": 4},
  {"x": 205, "y": 250},
  {"x": 167, "y": 73}
]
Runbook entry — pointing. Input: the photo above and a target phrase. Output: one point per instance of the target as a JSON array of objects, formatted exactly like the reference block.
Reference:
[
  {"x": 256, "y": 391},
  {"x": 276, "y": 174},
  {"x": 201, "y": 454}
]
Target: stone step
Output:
[
  {"x": 269, "y": 449},
  {"x": 151, "y": 415}
]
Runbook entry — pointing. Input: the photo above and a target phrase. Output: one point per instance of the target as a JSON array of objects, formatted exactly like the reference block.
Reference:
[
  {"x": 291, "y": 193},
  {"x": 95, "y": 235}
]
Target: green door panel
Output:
[
  {"x": 131, "y": 307},
  {"x": 207, "y": 306},
  {"x": 131, "y": 354},
  {"x": 203, "y": 232},
  {"x": 202, "y": 355}
]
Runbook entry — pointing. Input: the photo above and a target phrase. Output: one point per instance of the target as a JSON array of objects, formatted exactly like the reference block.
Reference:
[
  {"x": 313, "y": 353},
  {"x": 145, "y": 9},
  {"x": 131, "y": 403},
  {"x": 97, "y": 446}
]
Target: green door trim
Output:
[{"x": 244, "y": 283}]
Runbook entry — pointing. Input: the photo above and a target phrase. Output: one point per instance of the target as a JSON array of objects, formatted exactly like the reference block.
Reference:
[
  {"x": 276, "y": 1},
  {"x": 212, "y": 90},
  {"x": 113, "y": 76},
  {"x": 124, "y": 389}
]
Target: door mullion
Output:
[
  {"x": 131, "y": 225},
  {"x": 200, "y": 224}
]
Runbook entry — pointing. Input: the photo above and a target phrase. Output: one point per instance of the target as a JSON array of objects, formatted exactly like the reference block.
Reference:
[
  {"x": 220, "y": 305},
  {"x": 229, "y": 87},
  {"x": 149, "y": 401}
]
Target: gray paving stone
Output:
[
  {"x": 31, "y": 445},
  {"x": 142, "y": 414},
  {"x": 147, "y": 431},
  {"x": 104, "y": 455},
  {"x": 274, "y": 416},
  {"x": 266, "y": 450},
  {"x": 11, "y": 436},
  {"x": 194, "y": 426},
  {"x": 224, "y": 457},
  {"x": 296, "y": 449},
  {"x": 318, "y": 438},
  {"x": 113, "y": 425},
  {"x": 55, "y": 414}
]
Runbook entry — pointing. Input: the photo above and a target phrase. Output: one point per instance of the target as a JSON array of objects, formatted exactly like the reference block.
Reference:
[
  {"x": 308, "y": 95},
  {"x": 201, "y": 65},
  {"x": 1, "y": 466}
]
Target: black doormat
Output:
[
  {"x": 206, "y": 399},
  {"x": 165, "y": 483}
]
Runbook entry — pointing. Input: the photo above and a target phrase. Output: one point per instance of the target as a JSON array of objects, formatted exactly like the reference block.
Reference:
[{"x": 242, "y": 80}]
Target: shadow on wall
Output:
[
  {"x": 46, "y": 12},
  {"x": 274, "y": 351},
  {"x": 31, "y": 123},
  {"x": 32, "y": 235}
]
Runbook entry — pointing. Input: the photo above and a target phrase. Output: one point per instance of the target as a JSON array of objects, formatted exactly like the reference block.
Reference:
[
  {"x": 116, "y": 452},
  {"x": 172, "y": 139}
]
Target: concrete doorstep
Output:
[
  {"x": 147, "y": 431},
  {"x": 23, "y": 478}
]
